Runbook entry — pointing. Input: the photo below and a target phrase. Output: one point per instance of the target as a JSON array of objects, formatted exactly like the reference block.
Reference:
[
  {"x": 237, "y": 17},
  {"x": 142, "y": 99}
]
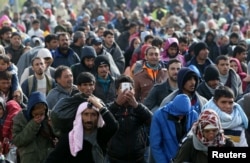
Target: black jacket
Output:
[
  {"x": 129, "y": 142},
  {"x": 157, "y": 94},
  {"x": 62, "y": 151},
  {"x": 203, "y": 90}
]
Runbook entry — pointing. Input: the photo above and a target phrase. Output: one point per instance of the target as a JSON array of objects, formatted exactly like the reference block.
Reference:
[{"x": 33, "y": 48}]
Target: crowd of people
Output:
[{"x": 118, "y": 81}]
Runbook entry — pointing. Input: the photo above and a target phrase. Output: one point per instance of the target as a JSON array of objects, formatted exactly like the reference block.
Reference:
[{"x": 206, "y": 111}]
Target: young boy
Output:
[{"x": 6, "y": 65}]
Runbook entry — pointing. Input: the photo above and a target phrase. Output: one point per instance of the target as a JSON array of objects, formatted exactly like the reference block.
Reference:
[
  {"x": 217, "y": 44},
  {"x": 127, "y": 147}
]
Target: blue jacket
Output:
[
  {"x": 163, "y": 131},
  {"x": 67, "y": 60}
]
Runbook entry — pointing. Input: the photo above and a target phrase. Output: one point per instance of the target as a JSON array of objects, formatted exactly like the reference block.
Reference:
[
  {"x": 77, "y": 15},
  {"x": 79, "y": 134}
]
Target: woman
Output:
[
  {"x": 235, "y": 64},
  {"x": 206, "y": 132}
]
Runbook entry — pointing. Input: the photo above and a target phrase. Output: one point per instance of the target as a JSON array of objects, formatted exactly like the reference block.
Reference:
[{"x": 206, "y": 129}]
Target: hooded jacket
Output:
[
  {"x": 33, "y": 140},
  {"x": 86, "y": 52},
  {"x": 167, "y": 130},
  {"x": 12, "y": 108},
  {"x": 214, "y": 50},
  {"x": 164, "y": 54},
  {"x": 182, "y": 76}
]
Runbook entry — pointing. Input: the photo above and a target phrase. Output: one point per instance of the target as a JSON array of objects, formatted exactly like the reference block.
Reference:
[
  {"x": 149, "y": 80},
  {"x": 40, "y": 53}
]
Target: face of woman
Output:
[
  {"x": 234, "y": 66},
  {"x": 210, "y": 134}
]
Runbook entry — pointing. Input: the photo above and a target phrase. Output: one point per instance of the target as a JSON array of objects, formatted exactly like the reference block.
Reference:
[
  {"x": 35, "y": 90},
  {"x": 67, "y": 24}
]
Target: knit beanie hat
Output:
[
  {"x": 211, "y": 73},
  {"x": 101, "y": 60},
  {"x": 199, "y": 46}
]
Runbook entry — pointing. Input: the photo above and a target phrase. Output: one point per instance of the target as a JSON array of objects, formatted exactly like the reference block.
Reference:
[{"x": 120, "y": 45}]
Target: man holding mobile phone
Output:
[{"x": 130, "y": 141}]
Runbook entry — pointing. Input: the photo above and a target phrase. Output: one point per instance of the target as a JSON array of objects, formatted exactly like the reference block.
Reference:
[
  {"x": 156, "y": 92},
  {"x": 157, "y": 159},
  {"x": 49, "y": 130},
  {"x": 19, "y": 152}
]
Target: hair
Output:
[
  {"x": 148, "y": 37},
  {"x": 223, "y": 91},
  {"x": 171, "y": 61},
  {"x": 35, "y": 58},
  {"x": 62, "y": 34},
  {"x": 123, "y": 78},
  {"x": 183, "y": 39},
  {"x": 108, "y": 32},
  {"x": 59, "y": 70},
  {"x": 238, "y": 49},
  {"x": 5, "y": 58},
  {"x": 150, "y": 47},
  {"x": 157, "y": 41},
  {"x": 221, "y": 57},
  {"x": 5, "y": 75},
  {"x": 132, "y": 25},
  {"x": 5, "y": 29},
  {"x": 50, "y": 37},
  {"x": 36, "y": 21},
  {"x": 85, "y": 77}
]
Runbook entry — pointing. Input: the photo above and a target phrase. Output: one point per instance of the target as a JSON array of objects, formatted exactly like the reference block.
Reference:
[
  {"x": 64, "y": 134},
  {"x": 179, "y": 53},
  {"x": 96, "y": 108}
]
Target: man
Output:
[
  {"x": 35, "y": 29},
  {"x": 5, "y": 85},
  {"x": 15, "y": 49},
  {"x": 5, "y": 35},
  {"x": 97, "y": 45},
  {"x": 150, "y": 74},
  {"x": 51, "y": 42},
  {"x": 233, "y": 119},
  {"x": 87, "y": 57},
  {"x": 228, "y": 76},
  {"x": 187, "y": 81},
  {"x": 162, "y": 90},
  {"x": 105, "y": 82},
  {"x": 94, "y": 125},
  {"x": 29, "y": 129},
  {"x": 78, "y": 42},
  {"x": 214, "y": 50},
  {"x": 48, "y": 59},
  {"x": 39, "y": 81},
  {"x": 211, "y": 81},
  {"x": 169, "y": 126},
  {"x": 111, "y": 46},
  {"x": 63, "y": 113},
  {"x": 240, "y": 53},
  {"x": 200, "y": 59},
  {"x": 63, "y": 54},
  {"x": 64, "y": 87},
  {"x": 99, "y": 32},
  {"x": 129, "y": 143},
  {"x": 123, "y": 39}
]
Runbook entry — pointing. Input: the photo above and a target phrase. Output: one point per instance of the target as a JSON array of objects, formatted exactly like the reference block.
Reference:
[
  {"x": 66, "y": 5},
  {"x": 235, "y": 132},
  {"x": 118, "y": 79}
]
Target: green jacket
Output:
[{"x": 32, "y": 140}]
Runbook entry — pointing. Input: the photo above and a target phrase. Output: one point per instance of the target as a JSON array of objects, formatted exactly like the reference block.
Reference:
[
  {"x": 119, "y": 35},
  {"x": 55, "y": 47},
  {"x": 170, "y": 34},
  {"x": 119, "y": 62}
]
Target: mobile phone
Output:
[{"x": 125, "y": 86}]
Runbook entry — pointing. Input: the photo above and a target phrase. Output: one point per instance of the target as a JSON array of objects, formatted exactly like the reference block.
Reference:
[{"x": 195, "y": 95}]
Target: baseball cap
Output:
[{"x": 96, "y": 41}]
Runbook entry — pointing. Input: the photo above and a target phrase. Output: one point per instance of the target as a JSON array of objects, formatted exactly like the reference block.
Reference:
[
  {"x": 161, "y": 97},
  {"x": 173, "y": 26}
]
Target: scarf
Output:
[
  {"x": 229, "y": 121},
  {"x": 104, "y": 83},
  {"x": 76, "y": 135},
  {"x": 207, "y": 117}
]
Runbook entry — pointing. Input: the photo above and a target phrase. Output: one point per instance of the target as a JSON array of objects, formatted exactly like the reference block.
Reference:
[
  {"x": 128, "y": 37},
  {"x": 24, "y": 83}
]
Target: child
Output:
[{"x": 6, "y": 65}]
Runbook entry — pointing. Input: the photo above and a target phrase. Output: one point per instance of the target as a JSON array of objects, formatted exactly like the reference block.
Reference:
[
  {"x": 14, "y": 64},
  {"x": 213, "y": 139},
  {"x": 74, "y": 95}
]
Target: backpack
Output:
[{"x": 30, "y": 83}]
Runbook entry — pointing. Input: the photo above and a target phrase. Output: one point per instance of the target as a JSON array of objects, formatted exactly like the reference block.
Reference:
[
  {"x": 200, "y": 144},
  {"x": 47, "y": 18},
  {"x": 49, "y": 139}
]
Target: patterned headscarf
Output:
[{"x": 208, "y": 117}]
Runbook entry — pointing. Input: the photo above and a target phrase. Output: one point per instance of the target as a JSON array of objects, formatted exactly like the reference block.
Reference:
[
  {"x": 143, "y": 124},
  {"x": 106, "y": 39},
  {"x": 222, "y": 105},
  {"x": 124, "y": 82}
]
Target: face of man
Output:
[
  {"x": 82, "y": 40},
  {"x": 89, "y": 120},
  {"x": 213, "y": 83},
  {"x": 173, "y": 70},
  {"x": 223, "y": 67},
  {"x": 234, "y": 66},
  {"x": 87, "y": 88},
  {"x": 5, "y": 85},
  {"x": 109, "y": 40},
  {"x": 203, "y": 54},
  {"x": 242, "y": 56},
  {"x": 189, "y": 86},
  {"x": 225, "y": 104},
  {"x": 183, "y": 46},
  {"x": 52, "y": 45},
  {"x": 98, "y": 48},
  {"x": 6, "y": 36},
  {"x": 64, "y": 42},
  {"x": 38, "y": 66},
  {"x": 89, "y": 62},
  {"x": 103, "y": 71},
  {"x": 36, "y": 26},
  {"x": 100, "y": 33},
  {"x": 66, "y": 79},
  {"x": 15, "y": 41},
  {"x": 153, "y": 56}
]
